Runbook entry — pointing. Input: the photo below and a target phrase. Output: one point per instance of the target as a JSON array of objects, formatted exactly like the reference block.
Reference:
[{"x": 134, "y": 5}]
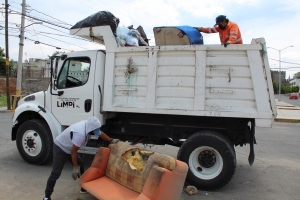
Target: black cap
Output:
[{"x": 219, "y": 19}]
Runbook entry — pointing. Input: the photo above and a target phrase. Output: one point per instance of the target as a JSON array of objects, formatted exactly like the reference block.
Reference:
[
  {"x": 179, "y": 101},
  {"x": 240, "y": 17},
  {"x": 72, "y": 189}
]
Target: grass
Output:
[{"x": 3, "y": 100}]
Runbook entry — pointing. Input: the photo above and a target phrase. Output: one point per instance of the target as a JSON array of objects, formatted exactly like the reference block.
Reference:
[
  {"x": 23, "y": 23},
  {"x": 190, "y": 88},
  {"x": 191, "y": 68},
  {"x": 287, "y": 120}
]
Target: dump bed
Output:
[{"x": 199, "y": 80}]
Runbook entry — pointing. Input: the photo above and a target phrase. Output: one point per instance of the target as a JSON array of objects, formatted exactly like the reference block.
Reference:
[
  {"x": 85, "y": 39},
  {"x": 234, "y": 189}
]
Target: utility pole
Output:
[
  {"x": 20, "y": 59},
  {"x": 7, "y": 56}
]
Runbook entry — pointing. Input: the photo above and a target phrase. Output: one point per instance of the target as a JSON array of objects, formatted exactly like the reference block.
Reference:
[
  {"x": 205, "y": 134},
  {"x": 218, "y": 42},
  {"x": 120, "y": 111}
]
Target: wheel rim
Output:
[
  {"x": 205, "y": 163},
  {"x": 32, "y": 143}
]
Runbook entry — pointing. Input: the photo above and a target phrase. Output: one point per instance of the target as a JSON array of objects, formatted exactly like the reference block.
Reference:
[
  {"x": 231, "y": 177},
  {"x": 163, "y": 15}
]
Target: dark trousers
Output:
[{"x": 59, "y": 160}]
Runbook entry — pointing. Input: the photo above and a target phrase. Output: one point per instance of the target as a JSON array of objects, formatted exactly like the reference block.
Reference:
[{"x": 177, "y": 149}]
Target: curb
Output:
[
  {"x": 287, "y": 120},
  {"x": 6, "y": 111}
]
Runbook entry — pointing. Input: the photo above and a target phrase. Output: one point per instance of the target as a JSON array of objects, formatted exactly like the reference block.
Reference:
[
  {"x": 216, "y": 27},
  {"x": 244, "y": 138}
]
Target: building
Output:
[
  {"x": 295, "y": 82},
  {"x": 275, "y": 77},
  {"x": 36, "y": 65}
]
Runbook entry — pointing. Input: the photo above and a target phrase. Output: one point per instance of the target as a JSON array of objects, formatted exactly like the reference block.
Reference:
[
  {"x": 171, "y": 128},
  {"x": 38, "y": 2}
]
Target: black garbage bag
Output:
[{"x": 100, "y": 18}]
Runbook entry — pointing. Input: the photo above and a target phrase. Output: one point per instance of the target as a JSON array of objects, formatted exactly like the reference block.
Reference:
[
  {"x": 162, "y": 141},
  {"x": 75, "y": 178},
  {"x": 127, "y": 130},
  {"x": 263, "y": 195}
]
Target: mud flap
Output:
[{"x": 252, "y": 142}]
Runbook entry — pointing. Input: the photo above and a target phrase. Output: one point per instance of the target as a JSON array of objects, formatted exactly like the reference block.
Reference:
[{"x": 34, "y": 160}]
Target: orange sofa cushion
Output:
[
  {"x": 119, "y": 170},
  {"x": 105, "y": 188}
]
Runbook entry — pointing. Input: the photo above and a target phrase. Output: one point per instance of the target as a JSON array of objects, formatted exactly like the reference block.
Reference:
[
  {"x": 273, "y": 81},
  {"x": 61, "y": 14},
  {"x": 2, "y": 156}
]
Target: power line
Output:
[
  {"x": 58, "y": 39},
  {"x": 38, "y": 39},
  {"x": 63, "y": 41},
  {"x": 285, "y": 62},
  {"x": 62, "y": 35},
  {"x": 29, "y": 9},
  {"x": 36, "y": 42},
  {"x": 38, "y": 19},
  {"x": 52, "y": 17},
  {"x": 53, "y": 28}
]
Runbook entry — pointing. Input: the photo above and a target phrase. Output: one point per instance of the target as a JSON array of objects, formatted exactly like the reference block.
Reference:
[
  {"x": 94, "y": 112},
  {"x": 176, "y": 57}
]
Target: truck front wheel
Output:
[
  {"x": 211, "y": 159},
  {"x": 34, "y": 141}
]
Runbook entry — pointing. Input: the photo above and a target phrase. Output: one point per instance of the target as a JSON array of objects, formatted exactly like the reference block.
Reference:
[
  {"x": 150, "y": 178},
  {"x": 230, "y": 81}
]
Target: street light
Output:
[
  {"x": 279, "y": 84},
  {"x": 33, "y": 23}
]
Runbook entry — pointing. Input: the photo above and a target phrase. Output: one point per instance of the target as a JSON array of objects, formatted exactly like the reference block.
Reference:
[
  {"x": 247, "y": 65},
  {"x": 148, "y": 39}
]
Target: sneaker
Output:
[
  {"x": 45, "y": 198},
  {"x": 82, "y": 191}
]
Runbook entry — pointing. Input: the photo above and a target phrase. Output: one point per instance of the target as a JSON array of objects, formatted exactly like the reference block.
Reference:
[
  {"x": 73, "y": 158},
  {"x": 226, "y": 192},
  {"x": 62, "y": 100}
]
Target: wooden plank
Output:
[
  {"x": 259, "y": 82},
  {"x": 222, "y": 82},
  {"x": 230, "y": 104},
  {"x": 179, "y": 60},
  {"x": 237, "y": 71},
  {"x": 251, "y": 113},
  {"x": 225, "y": 61},
  {"x": 188, "y": 53},
  {"x": 151, "y": 78},
  {"x": 175, "y": 92},
  {"x": 237, "y": 47},
  {"x": 176, "y": 70},
  {"x": 176, "y": 81},
  {"x": 129, "y": 101},
  {"x": 109, "y": 83},
  {"x": 132, "y": 82},
  {"x": 218, "y": 53},
  {"x": 121, "y": 70},
  {"x": 237, "y": 94},
  {"x": 137, "y": 61},
  {"x": 199, "y": 102},
  {"x": 138, "y": 91},
  {"x": 135, "y": 54},
  {"x": 175, "y": 103}
]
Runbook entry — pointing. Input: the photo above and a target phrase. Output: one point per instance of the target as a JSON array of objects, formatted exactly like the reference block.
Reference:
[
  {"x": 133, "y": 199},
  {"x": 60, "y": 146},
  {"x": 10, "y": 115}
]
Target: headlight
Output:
[{"x": 30, "y": 98}]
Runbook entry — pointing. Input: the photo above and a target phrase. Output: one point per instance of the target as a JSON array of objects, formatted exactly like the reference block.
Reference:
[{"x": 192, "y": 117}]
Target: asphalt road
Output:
[
  {"x": 274, "y": 175},
  {"x": 295, "y": 102}
]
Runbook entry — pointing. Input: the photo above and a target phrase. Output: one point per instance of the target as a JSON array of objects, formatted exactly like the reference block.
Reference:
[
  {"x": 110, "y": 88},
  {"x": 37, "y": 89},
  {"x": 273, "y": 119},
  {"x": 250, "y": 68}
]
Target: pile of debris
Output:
[{"x": 125, "y": 36}]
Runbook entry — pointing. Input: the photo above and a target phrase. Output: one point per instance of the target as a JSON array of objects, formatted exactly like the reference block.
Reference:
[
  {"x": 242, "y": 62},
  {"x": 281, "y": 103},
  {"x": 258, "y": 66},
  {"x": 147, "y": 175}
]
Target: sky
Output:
[{"x": 276, "y": 21}]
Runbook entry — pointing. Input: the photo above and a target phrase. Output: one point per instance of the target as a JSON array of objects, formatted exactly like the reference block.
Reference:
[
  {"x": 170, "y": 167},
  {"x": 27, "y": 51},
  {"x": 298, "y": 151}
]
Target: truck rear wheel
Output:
[
  {"x": 34, "y": 141},
  {"x": 211, "y": 159}
]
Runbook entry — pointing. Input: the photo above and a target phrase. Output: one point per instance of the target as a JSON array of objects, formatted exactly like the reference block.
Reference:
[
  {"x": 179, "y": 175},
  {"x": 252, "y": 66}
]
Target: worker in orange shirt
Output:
[{"x": 229, "y": 31}]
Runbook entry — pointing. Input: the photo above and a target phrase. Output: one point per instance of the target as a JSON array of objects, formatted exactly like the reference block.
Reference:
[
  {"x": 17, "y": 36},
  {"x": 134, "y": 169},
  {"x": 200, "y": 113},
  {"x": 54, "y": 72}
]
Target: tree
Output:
[
  {"x": 275, "y": 87},
  {"x": 55, "y": 53},
  {"x": 296, "y": 75},
  {"x": 3, "y": 65}
]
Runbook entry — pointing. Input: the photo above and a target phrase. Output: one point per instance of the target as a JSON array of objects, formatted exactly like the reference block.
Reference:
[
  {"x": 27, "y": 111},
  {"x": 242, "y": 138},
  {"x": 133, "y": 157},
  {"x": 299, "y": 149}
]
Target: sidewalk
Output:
[
  {"x": 4, "y": 110},
  {"x": 285, "y": 112}
]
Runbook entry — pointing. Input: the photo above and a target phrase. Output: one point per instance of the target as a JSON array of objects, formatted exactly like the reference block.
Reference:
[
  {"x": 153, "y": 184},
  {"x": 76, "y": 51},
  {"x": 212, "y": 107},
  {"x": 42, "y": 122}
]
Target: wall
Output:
[
  {"x": 12, "y": 85},
  {"x": 28, "y": 85},
  {"x": 33, "y": 85}
]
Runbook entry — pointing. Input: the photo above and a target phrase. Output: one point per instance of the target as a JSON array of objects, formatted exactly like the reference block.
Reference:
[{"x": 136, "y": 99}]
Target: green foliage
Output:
[
  {"x": 296, "y": 75},
  {"x": 3, "y": 100},
  {"x": 3, "y": 65},
  {"x": 289, "y": 89},
  {"x": 55, "y": 53},
  {"x": 275, "y": 87}
]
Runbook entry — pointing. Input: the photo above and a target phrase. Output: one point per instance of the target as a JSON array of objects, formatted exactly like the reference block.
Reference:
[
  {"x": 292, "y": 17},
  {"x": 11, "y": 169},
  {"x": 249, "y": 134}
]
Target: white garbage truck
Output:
[{"x": 204, "y": 99}]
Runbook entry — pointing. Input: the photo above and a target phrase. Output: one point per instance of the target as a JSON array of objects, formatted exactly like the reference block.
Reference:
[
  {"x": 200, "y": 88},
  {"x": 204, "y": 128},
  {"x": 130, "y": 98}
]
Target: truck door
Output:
[{"x": 75, "y": 83}]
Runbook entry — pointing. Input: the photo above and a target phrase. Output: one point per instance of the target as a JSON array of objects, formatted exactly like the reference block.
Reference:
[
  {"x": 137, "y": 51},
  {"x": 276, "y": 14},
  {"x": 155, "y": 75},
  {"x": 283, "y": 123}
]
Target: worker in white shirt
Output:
[{"x": 66, "y": 146}]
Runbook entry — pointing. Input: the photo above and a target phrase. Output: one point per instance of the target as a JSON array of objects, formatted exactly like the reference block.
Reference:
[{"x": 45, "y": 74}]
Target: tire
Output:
[
  {"x": 211, "y": 160},
  {"x": 34, "y": 141}
]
